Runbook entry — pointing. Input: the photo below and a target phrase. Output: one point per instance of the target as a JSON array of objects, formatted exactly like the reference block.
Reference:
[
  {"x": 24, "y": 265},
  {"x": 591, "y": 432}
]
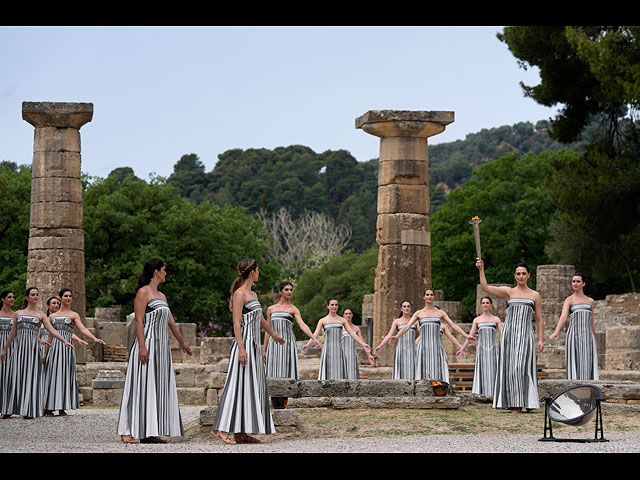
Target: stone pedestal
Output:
[
  {"x": 107, "y": 388},
  {"x": 56, "y": 238},
  {"x": 404, "y": 259}
]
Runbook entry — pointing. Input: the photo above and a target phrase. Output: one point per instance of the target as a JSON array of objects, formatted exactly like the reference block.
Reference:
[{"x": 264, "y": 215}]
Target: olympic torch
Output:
[{"x": 475, "y": 221}]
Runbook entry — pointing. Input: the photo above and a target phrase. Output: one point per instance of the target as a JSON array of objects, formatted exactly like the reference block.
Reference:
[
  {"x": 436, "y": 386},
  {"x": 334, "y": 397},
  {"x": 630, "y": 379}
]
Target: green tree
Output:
[
  {"x": 15, "y": 195},
  {"x": 348, "y": 277},
  {"x": 201, "y": 244},
  {"x": 511, "y": 196}
]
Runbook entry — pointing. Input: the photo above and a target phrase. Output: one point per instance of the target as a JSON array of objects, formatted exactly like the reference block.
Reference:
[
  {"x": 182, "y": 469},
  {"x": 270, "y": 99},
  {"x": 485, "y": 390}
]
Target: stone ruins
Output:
[{"x": 56, "y": 258}]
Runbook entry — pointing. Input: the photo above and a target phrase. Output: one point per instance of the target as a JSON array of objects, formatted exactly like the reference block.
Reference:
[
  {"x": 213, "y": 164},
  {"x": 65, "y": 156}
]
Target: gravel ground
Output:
[{"x": 94, "y": 431}]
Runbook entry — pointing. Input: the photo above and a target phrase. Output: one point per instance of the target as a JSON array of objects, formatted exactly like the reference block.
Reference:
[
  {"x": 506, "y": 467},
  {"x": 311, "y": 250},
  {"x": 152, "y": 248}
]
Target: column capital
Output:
[
  {"x": 404, "y": 123},
  {"x": 57, "y": 114}
]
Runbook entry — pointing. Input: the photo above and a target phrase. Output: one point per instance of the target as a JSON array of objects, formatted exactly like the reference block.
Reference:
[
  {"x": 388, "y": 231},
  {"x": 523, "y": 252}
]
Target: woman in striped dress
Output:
[
  {"x": 53, "y": 305},
  {"x": 282, "y": 360},
  {"x": 149, "y": 406},
  {"x": 6, "y": 321},
  {"x": 24, "y": 389},
  {"x": 404, "y": 360},
  {"x": 349, "y": 350},
  {"x": 431, "y": 359},
  {"x": 332, "y": 361},
  {"x": 486, "y": 326},
  {"x": 244, "y": 403},
  {"x": 581, "y": 350},
  {"x": 60, "y": 382},
  {"x": 516, "y": 384}
]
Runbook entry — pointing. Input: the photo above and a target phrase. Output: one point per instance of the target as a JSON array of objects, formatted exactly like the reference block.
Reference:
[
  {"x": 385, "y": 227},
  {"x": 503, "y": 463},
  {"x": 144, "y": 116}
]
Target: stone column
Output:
[
  {"x": 56, "y": 237},
  {"x": 404, "y": 260}
]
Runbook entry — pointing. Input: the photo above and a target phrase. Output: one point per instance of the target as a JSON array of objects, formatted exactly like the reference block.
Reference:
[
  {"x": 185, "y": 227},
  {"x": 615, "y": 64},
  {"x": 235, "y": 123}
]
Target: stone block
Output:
[
  {"x": 410, "y": 227},
  {"x": 106, "y": 397},
  {"x": 55, "y": 260},
  {"x": 74, "y": 241},
  {"x": 404, "y": 148},
  {"x": 214, "y": 349},
  {"x": 402, "y": 198},
  {"x": 405, "y": 172},
  {"x": 56, "y": 164},
  {"x": 56, "y": 189},
  {"x": 192, "y": 396},
  {"x": 57, "y": 114},
  {"x": 107, "y": 314},
  {"x": 112, "y": 332},
  {"x": 212, "y": 396},
  {"x": 56, "y": 215},
  {"x": 53, "y": 139}
]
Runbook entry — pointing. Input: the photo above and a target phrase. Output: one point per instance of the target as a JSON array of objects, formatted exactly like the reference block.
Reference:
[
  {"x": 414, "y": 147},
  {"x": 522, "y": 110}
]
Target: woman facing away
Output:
[
  {"x": 581, "y": 349},
  {"x": 486, "y": 325},
  {"x": 243, "y": 408},
  {"x": 516, "y": 384},
  {"x": 149, "y": 406},
  {"x": 404, "y": 360},
  {"x": 332, "y": 361},
  {"x": 431, "y": 359},
  {"x": 25, "y": 385},
  {"x": 60, "y": 383},
  {"x": 282, "y": 360}
]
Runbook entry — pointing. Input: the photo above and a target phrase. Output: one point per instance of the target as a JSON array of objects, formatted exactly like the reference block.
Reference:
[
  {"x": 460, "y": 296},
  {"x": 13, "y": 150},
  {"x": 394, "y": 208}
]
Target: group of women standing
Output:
[{"x": 37, "y": 359}]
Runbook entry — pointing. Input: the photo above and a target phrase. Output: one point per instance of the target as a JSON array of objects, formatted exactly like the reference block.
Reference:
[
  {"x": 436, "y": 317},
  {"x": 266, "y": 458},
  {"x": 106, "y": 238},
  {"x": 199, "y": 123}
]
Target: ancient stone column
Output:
[
  {"x": 404, "y": 259},
  {"x": 56, "y": 237}
]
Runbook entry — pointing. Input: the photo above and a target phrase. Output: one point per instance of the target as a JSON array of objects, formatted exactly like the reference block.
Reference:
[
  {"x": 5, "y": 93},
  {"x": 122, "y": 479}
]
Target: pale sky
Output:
[{"x": 162, "y": 92}]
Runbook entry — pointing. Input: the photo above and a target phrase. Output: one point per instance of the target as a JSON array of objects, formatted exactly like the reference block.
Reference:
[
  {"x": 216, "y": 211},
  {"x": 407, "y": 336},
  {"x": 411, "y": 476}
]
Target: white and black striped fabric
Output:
[
  {"x": 332, "y": 365},
  {"x": 44, "y": 336},
  {"x": 282, "y": 360},
  {"x": 431, "y": 359},
  {"x": 244, "y": 402},
  {"x": 149, "y": 405},
  {"x": 24, "y": 386},
  {"x": 484, "y": 373},
  {"x": 5, "y": 367},
  {"x": 580, "y": 347},
  {"x": 404, "y": 360},
  {"x": 351, "y": 369},
  {"x": 516, "y": 378},
  {"x": 60, "y": 382}
]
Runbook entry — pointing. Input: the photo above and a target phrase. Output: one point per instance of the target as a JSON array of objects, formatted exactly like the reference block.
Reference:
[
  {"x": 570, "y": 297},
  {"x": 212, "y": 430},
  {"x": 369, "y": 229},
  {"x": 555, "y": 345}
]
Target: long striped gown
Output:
[
  {"x": 60, "y": 382},
  {"x": 332, "y": 365},
  {"x": 5, "y": 367},
  {"x": 24, "y": 387},
  {"x": 580, "y": 347},
  {"x": 351, "y": 369},
  {"x": 404, "y": 360},
  {"x": 516, "y": 378},
  {"x": 149, "y": 405},
  {"x": 484, "y": 374},
  {"x": 244, "y": 402},
  {"x": 282, "y": 360},
  {"x": 431, "y": 359}
]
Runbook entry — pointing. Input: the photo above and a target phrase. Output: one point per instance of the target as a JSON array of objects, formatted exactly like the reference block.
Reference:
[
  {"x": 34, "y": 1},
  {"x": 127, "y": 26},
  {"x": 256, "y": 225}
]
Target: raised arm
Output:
[{"x": 502, "y": 292}]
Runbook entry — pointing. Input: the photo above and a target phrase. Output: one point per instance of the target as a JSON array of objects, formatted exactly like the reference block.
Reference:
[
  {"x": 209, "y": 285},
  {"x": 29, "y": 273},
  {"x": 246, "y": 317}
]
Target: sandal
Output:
[
  {"x": 128, "y": 439},
  {"x": 224, "y": 437}
]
